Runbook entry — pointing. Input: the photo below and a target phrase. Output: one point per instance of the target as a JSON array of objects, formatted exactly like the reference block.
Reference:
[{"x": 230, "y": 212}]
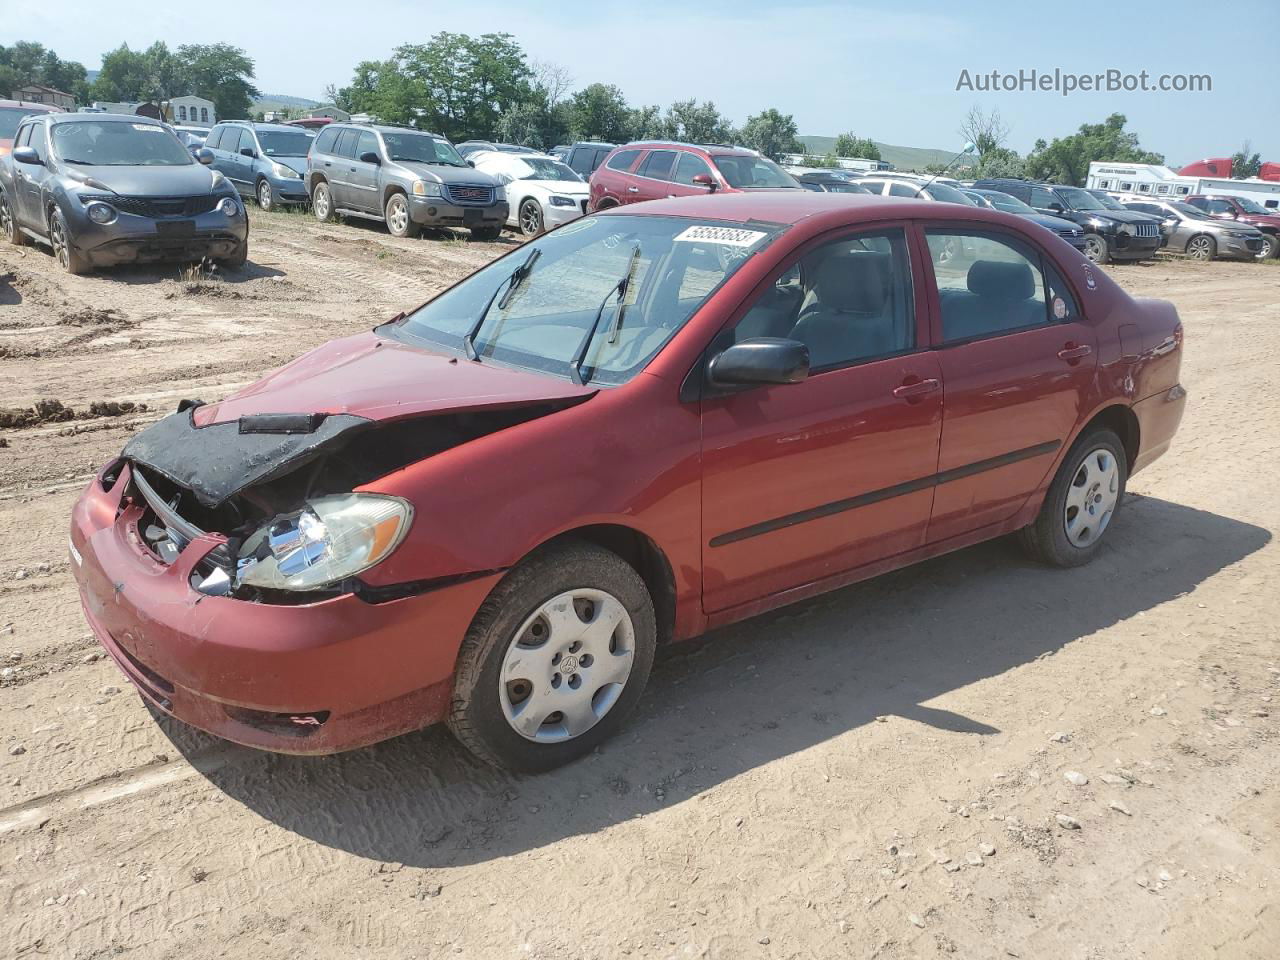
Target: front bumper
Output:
[
  {"x": 132, "y": 239},
  {"x": 288, "y": 190},
  {"x": 1127, "y": 247},
  {"x": 1240, "y": 248},
  {"x": 553, "y": 216},
  {"x": 435, "y": 212},
  {"x": 317, "y": 678}
]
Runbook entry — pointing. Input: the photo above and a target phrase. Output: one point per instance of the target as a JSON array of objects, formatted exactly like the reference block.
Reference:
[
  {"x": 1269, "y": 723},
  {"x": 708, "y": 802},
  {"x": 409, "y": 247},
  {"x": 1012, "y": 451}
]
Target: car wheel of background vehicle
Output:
[
  {"x": 9, "y": 228},
  {"x": 265, "y": 200},
  {"x": 1081, "y": 502},
  {"x": 486, "y": 234},
  {"x": 60, "y": 238},
  {"x": 322, "y": 202},
  {"x": 1270, "y": 247},
  {"x": 531, "y": 218},
  {"x": 1095, "y": 248},
  {"x": 399, "y": 222},
  {"x": 555, "y": 660},
  {"x": 1202, "y": 248}
]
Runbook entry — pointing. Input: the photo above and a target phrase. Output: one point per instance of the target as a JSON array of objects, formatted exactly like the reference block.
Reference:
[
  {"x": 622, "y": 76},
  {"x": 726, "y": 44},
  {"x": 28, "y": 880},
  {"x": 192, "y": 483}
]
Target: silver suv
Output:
[{"x": 406, "y": 178}]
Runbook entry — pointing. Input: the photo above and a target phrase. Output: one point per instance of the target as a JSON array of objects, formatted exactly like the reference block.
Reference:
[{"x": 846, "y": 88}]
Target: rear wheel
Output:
[
  {"x": 322, "y": 202},
  {"x": 555, "y": 659},
  {"x": 265, "y": 198},
  {"x": 1081, "y": 502},
  {"x": 1202, "y": 248},
  {"x": 399, "y": 221},
  {"x": 70, "y": 259},
  {"x": 531, "y": 218},
  {"x": 9, "y": 229},
  {"x": 1095, "y": 248}
]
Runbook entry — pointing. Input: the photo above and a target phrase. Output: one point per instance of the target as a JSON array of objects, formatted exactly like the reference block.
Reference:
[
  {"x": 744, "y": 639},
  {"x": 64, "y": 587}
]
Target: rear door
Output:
[
  {"x": 340, "y": 169},
  {"x": 1018, "y": 362},
  {"x": 652, "y": 179}
]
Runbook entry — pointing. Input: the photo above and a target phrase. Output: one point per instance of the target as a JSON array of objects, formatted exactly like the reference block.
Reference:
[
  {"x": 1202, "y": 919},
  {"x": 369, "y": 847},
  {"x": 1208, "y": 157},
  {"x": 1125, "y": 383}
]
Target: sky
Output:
[{"x": 889, "y": 72}]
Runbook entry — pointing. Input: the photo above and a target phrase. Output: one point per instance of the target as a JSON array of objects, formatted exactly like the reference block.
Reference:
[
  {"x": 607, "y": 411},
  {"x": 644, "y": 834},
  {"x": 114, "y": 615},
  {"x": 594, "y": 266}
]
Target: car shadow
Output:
[
  {"x": 140, "y": 274},
  {"x": 741, "y": 697}
]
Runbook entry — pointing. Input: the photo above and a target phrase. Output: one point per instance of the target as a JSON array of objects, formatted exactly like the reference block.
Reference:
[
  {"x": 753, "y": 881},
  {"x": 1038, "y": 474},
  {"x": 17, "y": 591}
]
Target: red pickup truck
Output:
[{"x": 1246, "y": 211}]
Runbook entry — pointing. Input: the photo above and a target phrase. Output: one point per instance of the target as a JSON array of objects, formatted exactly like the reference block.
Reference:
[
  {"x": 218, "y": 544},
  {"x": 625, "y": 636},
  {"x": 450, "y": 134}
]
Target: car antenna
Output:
[
  {"x": 511, "y": 283},
  {"x": 620, "y": 288},
  {"x": 969, "y": 147}
]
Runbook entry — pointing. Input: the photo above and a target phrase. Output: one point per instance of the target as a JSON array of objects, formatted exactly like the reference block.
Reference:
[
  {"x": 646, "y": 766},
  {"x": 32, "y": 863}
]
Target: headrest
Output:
[
  {"x": 854, "y": 282},
  {"x": 1001, "y": 280}
]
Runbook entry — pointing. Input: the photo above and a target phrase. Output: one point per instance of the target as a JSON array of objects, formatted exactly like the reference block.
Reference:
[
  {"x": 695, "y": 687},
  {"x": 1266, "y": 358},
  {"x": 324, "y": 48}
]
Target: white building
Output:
[
  {"x": 844, "y": 163},
  {"x": 1162, "y": 183},
  {"x": 192, "y": 110}
]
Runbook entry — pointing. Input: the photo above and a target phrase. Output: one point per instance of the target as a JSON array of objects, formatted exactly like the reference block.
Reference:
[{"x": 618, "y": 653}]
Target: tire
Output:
[
  {"x": 399, "y": 218},
  {"x": 322, "y": 202},
  {"x": 531, "y": 219},
  {"x": 9, "y": 229},
  {"x": 71, "y": 260},
  {"x": 266, "y": 200},
  {"x": 238, "y": 258},
  {"x": 1096, "y": 249},
  {"x": 1270, "y": 247},
  {"x": 520, "y": 618},
  {"x": 1095, "y": 466},
  {"x": 486, "y": 234},
  {"x": 1202, "y": 247}
]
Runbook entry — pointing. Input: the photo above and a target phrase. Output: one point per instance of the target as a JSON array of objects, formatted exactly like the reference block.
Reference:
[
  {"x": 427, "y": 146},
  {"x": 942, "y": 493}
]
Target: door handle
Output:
[
  {"x": 328, "y": 164},
  {"x": 633, "y": 189},
  {"x": 1073, "y": 352},
  {"x": 915, "y": 388}
]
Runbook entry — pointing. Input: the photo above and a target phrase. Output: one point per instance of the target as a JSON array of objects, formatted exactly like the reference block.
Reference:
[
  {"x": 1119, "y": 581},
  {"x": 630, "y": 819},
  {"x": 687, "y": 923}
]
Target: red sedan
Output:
[{"x": 645, "y": 424}]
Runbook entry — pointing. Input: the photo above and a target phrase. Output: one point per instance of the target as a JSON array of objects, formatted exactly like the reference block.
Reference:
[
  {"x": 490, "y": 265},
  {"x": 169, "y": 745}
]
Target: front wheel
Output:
[
  {"x": 239, "y": 256},
  {"x": 322, "y": 202},
  {"x": 531, "y": 218},
  {"x": 70, "y": 259},
  {"x": 1095, "y": 248},
  {"x": 555, "y": 659},
  {"x": 399, "y": 220},
  {"x": 1081, "y": 502},
  {"x": 1202, "y": 248},
  {"x": 9, "y": 229},
  {"x": 1270, "y": 247},
  {"x": 265, "y": 198}
]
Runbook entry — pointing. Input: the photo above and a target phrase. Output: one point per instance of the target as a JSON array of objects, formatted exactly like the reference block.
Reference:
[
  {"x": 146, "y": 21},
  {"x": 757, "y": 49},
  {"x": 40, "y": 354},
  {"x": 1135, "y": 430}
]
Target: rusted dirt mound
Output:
[
  {"x": 55, "y": 411},
  {"x": 93, "y": 317}
]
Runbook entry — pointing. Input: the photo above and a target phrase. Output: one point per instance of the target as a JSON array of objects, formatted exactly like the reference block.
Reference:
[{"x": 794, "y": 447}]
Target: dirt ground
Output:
[{"x": 977, "y": 756}]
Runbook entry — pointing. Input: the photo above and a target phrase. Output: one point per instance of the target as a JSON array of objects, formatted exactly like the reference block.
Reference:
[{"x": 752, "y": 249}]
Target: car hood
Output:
[
  {"x": 183, "y": 181},
  {"x": 297, "y": 164},
  {"x": 566, "y": 188},
  {"x": 1120, "y": 216},
  {"x": 1056, "y": 224},
  {"x": 1253, "y": 219},
  {"x": 441, "y": 174},
  {"x": 377, "y": 378}
]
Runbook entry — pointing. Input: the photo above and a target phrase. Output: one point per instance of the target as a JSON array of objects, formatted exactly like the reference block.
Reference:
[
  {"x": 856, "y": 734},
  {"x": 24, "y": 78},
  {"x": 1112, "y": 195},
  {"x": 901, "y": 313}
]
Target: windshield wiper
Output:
[
  {"x": 620, "y": 288},
  {"x": 512, "y": 283}
]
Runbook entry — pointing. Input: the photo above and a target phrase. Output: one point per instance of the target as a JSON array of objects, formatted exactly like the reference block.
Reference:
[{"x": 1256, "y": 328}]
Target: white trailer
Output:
[
  {"x": 858, "y": 164},
  {"x": 1162, "y": 183}
]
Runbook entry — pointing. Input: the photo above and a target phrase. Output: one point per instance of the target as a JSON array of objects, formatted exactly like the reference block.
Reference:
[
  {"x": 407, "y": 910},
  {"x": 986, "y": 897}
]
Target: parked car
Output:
[
  {"x": 542, "y": 193},
  {"x": 1108, "y": 234},
  {"x": 1247, "y": 211},
  {"x": 468, "y": 148},
  {"x": 824, "y": 181},
  {"x": 102, "y": 189},
  {"x": 654, "y": 170},
  {"x": 1165, "y": 225},
  {"x": 265, "y": 161},
  {"x": 406, "y": 178},
  {"x": 559, "y": 151},
  {"x": 921, "y": 188},
  {"x": 192, "y": 137},
  {"x": 585, "y": 156},
  {"x": 1201, "y": 236},
  {"x": 644, "y": 425},
  {"x": 11, "y": 114},
  {"x": 1068, "y": 230}
]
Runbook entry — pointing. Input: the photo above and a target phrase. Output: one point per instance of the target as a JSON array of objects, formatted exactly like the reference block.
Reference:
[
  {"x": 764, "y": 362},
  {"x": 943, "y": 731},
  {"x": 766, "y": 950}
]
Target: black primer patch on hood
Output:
[{"x": 219, "y": 460}]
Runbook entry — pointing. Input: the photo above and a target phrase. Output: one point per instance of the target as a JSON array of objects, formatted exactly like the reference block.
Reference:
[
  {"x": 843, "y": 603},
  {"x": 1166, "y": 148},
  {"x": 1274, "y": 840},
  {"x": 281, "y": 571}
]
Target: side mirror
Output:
[
  {"x": 704, "y": 180},
  {"x": 760, "y": 360},
  {"x": 203, "y": 155},
  {"x": 1057, "y": 208},
  {"x": 248, "y": 152},
  {"x": 471, "y": 163},
  {"x": 370, "y": 156},
  {"x": 27, "y": 155}
]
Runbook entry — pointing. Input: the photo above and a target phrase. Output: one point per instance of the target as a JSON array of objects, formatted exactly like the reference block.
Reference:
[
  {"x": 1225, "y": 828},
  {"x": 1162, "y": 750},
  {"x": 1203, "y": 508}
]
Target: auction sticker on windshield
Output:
[{"x": 726, "y": 236}]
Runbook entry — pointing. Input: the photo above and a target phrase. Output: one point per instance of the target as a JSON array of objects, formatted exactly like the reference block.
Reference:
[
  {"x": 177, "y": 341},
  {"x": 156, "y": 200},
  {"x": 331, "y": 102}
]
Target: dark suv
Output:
[
  {"x": 1246, "y": 211},
  {"x": 409, "y": 179},
  {"x": 102, "y": 189},
  {"x": 584, "y": 156},
  {"x": 653, "y": 170},
  {"x": 1108, "y": 234}
]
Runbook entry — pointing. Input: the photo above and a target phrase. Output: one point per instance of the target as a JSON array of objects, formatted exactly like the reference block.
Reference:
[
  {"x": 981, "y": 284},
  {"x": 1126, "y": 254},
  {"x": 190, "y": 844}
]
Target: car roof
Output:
[
  {"x": 92, "y": 117},
  {"x": 715, "y": 149},
  {"x": 253, "y": 124},
  {"x": 33, "y": 106},
  {"x": 383, "y": 128}
]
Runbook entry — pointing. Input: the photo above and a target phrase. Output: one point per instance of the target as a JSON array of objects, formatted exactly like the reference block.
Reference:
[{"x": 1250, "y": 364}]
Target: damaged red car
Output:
[{"x": 650, "y": 422}]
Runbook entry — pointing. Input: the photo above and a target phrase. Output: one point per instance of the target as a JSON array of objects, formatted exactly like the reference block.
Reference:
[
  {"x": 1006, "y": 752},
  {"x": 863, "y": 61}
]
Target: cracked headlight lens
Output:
[{"x": 332, "y": 539}]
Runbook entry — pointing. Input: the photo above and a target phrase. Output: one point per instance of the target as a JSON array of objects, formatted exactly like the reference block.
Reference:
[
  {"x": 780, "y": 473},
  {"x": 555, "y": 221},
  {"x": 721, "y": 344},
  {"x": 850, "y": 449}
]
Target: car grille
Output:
[
  {"x": 157, "y": 208},
  {"x": 466, "y": 195},
  {"x": 1146, "y": 229},
  {"x": 584, "y": 205}
]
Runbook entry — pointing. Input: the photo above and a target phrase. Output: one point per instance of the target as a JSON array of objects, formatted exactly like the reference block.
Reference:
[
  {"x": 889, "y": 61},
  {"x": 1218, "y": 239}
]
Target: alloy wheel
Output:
[
  {"x": 397, "y": 215},
  {"x": 1092, "y": 497},
  {"x": 530, "y": 219},
  {"x": 567, "y": 665},
  {"x": 1269, "y": 244},
  {"x": 1094, "y": 250},
  {"x": 264, "y": 195},
  {"x": 8, "y": 226},
  {"x": 1201, "y": 248},
  {"x": 58, "y": 239},
  {"x": 320, "y": 202}
]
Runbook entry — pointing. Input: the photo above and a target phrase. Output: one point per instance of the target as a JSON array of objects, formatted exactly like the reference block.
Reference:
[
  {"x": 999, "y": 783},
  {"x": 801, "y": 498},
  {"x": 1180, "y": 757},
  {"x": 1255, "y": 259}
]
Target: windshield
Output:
[
  {"x": 118, "y": 143},
  {"x": 292, "y": 144},
  {"x": 422, "y": 148},
  {"x": 1252, "y": 206},
  {"x": 1003, "y": 201},
  {"x": 1187, "y": 210},
  {"x": 542, "y": 318},
  {"x": 744, "y": 172},
  {"x": 1109, "y": 202},
  {"x": 834, "y": 186},
  {"x": 10, "y": 117},
  {"x": 544, "y": 168},
  {"x": 1079, "y": 199},
  {"x": 940, "y": 191}
]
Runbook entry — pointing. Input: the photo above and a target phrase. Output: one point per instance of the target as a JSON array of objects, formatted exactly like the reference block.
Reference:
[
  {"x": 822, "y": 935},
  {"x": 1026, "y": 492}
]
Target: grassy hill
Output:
[
  {"x": 902, "y": 158},
  {"x": 276, "y": 101}
]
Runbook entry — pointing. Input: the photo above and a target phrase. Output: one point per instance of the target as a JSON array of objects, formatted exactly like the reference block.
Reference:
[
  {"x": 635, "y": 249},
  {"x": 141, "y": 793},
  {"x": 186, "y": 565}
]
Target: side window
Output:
[
  {"x": 366, "y": 143},
  {"x": 875, "y": 186},
  {"x": 580, "y": 160},
  {"x": 1220, "y": 206},
  {"x": 211, "y": 141},
  {"x": 347, "y": 143},
  {"x": 39, "y": 140},
  {"x": 231, "y": 140},
  {"x": 1198, "y": 202},
  {"x": 1041, "y": 198},
  {"x": 987, "y": 283},
  {"x": 324, "y": 142},
  {"x": 690, "y": 165},
  {"x": 1062, "y": 305},
  {"x": 599, "y": 156},
  {"x": 622, "y": 160},
  {"x": 901, "y": 190},
  {"x": 658, "y": 164},
  {"x": 850, "y": 300},
  {"x": 24, "y": 136}
]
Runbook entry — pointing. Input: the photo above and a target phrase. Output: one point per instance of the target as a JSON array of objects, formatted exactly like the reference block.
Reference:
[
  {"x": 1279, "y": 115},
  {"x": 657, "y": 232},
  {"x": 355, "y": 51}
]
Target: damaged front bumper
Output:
[{"x": 318, "y": 677}]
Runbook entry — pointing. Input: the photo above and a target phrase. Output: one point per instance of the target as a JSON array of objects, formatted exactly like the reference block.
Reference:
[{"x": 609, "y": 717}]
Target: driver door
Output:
[{"x": 805, "y": 481}]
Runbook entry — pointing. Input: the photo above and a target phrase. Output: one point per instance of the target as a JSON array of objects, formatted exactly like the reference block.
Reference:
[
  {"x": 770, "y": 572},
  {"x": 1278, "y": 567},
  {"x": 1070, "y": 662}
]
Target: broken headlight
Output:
[{"x": 332, "y": 539}]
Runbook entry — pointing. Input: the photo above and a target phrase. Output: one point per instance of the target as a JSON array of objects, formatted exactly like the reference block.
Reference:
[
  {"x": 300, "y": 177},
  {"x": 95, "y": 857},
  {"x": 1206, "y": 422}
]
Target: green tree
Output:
[
  {"x": 771, "y": 133},
  {"x": 599, "y": 111},
  {"x": 986, "y": 131},
  {"x": 1066, "y": 160},
  {"x": 692, "y": 122},
  {"x": 1245, "y": 164},
  {"x": 221, "y": 73},
  {"x": 152, "y": 74},
  {"x": 646, "y": 123},
  {"x": 26, "y": 63},
  {"x": 851, "y": 146},
  {"x": 1001, "y": 162},
  {"x": 541, "y": 120}
]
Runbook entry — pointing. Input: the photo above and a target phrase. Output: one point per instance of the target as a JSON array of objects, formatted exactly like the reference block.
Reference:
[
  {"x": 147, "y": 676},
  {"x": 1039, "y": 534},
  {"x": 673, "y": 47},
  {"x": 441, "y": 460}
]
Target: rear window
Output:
[
  {"x": 622, "y": 160},
  {"x": 658, "y": 164},
  {"x": 10, "y": 117},
  {"x": 324, "y": 142}
]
